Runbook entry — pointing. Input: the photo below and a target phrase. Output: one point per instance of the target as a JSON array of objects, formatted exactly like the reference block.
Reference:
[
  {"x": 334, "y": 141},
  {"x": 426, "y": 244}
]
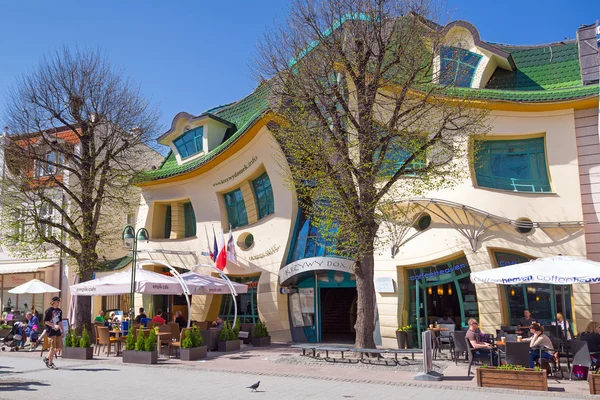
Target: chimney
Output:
[{"x": 589, "y": 57}]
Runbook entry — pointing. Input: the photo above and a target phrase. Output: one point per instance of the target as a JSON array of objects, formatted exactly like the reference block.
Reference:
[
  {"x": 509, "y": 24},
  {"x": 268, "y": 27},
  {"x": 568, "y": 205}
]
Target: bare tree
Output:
[
  {"x": 77, "y": 132},
  {"x": 365, "y": 122}
]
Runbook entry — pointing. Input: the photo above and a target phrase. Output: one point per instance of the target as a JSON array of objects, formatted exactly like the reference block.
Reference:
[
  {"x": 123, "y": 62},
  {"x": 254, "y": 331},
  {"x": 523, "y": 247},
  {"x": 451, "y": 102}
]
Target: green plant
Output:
[
  {"x": 197, "y": 339},
  {"x": 151, "y": 341},
  {"x": 140, "y": 345},
  {"x": 405, "y": 328},
  {"x": 511, "y": 367},
  {"x": 236, "y": 328},
  {"x": 85, "y": 341},
  {"x": 130, "y": 341},
  {"x": 187, "y": 342},
  {"x": 484, "y": 366},
  {"x": 227, "y": 333},
  {"x": 260, "y": 330},
  {"x": 69, "y": 338},
  {"x": 4, "y": 326}
]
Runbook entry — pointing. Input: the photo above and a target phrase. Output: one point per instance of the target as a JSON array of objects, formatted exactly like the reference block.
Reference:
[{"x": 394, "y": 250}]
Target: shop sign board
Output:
[
  {"x": 14, "y": 280},
  {"x": 316, "y": 264},
  {"x": 384, "y": 284}
]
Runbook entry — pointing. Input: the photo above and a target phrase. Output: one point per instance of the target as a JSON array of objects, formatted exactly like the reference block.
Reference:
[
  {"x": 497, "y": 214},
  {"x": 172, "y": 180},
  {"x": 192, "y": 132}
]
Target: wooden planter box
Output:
[
  {"x": 594, "y": 381},
  {"x": 229, "y": 345},
  {"x": 140, "y": 357},
  {"x": 193, "y": 354},
  {"x": 261, "y": 341},
  {"x": 78, "y": 353},
  {"x": 527, "y": 379}
]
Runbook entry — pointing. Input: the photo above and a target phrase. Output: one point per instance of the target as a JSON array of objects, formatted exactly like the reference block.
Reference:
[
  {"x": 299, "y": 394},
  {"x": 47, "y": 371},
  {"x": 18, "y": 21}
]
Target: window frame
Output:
[
  {"x": 190, "y": 137},
  {"x": 263, "y": 190},
  {"x": 43, "y": 169},
  {"x": 537, "y": 150},
  {"x": 239, "y": 219},
  {"x": 459, "y": 62}
]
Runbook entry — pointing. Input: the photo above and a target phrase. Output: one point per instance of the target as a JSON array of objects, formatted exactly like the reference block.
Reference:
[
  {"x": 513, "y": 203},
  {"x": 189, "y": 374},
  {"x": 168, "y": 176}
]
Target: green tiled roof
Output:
[
  {"x": 525, "y": 96},
  {"x": 113, "y": 265},
  {"x": 544, "y": 67},
  {"x": 242, "y": 114}
]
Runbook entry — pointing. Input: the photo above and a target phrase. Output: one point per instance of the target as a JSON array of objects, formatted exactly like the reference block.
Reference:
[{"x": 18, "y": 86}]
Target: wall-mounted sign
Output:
[
  {"x": 433, "y": 275},
  {"x": 316, "y": 264},
  {"x": 307, "y": 300},
  {"x": 266, "y": 253},
  {"x": 11, "y": 281},
  {"x": 384, "y": 284},
  {"x": 237, "y": 173}
]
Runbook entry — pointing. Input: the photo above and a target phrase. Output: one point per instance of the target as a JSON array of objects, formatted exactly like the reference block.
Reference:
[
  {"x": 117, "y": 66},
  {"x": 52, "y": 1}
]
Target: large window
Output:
[
  {"x": 517, "y": 165},
  {"x": 395, "y": 157},
  {"x": 247, "y": 304},
  {"x": 236, "y": 208},
  {"x": 189, "y": 220},
  {"x": 190, "y": 142},
  {"x": 264, "y": 195},
  {"x": 543, "y": 301},
  {"x": 457, "y": 66},
  {"x": 49, "y": 167}
]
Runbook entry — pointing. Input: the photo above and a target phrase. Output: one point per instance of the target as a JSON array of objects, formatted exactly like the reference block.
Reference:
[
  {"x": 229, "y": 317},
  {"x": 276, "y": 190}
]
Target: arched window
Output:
[{"x": 457, "y": 66}]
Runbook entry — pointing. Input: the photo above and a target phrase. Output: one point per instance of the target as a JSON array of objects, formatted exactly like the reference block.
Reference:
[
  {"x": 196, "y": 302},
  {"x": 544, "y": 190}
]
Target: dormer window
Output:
[
  {"x": 190, "y": 143},
  {"x": 457, "y": 66},
  {"x": 49, "y": 167}
]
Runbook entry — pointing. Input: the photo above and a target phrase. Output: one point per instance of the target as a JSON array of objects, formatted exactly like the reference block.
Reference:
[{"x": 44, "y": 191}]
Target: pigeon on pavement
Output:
[{"x": 254, "y": 387}]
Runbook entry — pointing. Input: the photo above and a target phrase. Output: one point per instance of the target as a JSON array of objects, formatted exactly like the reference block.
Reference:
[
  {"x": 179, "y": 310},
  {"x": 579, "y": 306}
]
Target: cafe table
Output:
[
  {"x": 158, "y": 336},
  {"x": 117, "y": 333}
]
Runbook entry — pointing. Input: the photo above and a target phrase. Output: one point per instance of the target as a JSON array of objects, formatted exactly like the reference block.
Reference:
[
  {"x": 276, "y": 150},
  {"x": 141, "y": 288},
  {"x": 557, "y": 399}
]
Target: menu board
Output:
[
  {"x": 297, "y": 319},
  {"x": 307, "y": 300}
]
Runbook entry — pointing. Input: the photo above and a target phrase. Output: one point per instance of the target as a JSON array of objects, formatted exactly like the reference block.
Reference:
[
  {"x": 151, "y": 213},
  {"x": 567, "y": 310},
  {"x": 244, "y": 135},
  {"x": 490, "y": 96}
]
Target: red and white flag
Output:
[
  {"x": 231, "y": 255},
  {"x": 222, "y": 256}
]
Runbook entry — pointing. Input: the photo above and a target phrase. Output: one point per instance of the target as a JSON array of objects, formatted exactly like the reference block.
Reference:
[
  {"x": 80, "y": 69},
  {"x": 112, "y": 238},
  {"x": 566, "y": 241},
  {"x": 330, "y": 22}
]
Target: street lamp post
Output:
[{"x": 131, "y": 236}]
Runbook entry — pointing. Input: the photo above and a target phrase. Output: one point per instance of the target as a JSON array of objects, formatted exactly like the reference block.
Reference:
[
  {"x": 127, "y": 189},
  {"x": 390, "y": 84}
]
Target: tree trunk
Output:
[
  {"x": 83, "y": 311},
  {"x": 365, "y": 287}
]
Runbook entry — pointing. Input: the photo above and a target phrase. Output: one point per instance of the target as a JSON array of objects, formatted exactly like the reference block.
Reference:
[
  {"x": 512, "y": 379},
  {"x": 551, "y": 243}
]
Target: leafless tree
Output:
[
  {"x": 78, "y": 128},
  {"x": 365, "y": 122}
]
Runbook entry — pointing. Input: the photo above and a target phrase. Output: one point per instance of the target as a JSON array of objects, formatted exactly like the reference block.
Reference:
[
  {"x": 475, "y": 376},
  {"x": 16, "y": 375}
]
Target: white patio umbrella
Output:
[
  {"x": 558, "y": 270},
  {"x": 146, "y": 282},
  {"x": 34, "y": 286},
  {"x": 205, "y": 284}
]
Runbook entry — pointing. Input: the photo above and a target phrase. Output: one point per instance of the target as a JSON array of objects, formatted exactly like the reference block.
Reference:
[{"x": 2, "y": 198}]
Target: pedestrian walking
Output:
[{"x": 54, "y": 330}]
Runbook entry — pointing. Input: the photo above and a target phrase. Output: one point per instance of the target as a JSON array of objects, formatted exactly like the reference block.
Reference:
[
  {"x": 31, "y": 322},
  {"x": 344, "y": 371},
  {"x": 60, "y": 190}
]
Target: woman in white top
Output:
[
  {"x": 564, "y": 326},
  {"x": 538, "y": 340}
]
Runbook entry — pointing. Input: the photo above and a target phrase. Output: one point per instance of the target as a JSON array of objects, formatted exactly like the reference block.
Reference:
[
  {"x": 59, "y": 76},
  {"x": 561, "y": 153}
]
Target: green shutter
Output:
[
  {"x": 264, "y": 195},
  {"x": 168, "y": 223},
  {"x": 189, "y": 219}
]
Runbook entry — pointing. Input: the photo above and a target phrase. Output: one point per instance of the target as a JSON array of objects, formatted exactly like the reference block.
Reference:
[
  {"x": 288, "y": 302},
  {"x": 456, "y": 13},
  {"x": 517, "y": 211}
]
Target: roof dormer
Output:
[
  {"x": 465, "y": 60},
  {"x": 192, "y": 137}
]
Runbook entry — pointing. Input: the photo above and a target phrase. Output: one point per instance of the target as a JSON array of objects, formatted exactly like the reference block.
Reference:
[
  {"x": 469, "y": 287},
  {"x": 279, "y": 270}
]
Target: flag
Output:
[
  {"x": 210, "y": 253},
  {"x": 215, "y": 253},
  {"x": 231, "y": 256},
  {"x": 222, "y": 257}
]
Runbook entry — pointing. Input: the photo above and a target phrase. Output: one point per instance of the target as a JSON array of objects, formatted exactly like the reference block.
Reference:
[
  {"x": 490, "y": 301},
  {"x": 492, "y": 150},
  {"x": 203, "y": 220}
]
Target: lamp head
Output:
[
  {"x": 128, "y": 232},
  {"x": 143, "y": 235}
]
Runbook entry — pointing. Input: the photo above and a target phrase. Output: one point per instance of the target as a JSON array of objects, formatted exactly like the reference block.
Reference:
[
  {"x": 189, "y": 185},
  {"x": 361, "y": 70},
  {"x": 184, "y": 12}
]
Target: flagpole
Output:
[{"x": 228, "y": 282}]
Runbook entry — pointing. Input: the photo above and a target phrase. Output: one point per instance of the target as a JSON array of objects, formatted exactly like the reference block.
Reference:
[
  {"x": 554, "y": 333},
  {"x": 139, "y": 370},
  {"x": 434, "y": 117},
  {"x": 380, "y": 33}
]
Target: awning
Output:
[
  {"x": 16, "y": 267},
  {"x": 288, "y": 274}
]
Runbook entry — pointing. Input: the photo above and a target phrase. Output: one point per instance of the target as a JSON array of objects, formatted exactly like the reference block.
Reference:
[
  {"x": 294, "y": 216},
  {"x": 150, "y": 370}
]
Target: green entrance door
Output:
[{"x": 442, "y": 290}]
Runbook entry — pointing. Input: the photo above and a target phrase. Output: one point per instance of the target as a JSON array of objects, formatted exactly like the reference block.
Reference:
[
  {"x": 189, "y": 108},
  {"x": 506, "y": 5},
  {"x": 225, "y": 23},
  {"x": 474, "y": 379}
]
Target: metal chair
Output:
[
  {"x": 445, "y": 338},
  {"x": 509, "y": 328},
  {"x": 556, "y": 359},
  {"x": 104, "y": 339},
  {"x": 174, "y": 326},
  {"x": 459, "y": 344},
  {"x": 472, "y": 354},
  {"x": 517, "y": 353}
]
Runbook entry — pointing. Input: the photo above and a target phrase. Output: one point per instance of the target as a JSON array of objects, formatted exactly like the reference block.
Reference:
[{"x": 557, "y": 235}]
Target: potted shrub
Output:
[
  {"x": 594, "y": 382},
  {"x": 512, "y": 377},
  {"x": 192, "y": 345},
  {"x": 4, "y": 330},
  {"x": 78, "y": 348},
  {"x": 404, "y": 337},
  {"x": 261, "y": 337},
  {"x": 228, "y": 341},
  {"x": 142, "y": 351}
]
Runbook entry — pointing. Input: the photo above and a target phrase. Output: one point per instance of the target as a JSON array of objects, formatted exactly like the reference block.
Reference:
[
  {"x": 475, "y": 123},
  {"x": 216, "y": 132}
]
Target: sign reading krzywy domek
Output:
[{"x": 315, "y": 264}]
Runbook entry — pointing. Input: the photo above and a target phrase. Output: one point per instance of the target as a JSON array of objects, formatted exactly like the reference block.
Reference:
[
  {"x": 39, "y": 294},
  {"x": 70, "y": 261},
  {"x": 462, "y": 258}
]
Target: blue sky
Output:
[{"x": 193, "y": 55}]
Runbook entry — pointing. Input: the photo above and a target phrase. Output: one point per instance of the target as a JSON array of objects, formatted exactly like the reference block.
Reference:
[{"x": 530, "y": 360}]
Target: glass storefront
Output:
[
  {"x": 247, "y": 303},
  {"x": 439, "y": 290},
  {"x": 543, "y": 301}
]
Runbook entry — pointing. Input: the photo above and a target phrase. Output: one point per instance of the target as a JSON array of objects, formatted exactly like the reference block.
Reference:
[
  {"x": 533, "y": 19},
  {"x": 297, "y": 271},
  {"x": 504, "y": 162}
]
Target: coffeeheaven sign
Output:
[{"x": 316, "y": 264}]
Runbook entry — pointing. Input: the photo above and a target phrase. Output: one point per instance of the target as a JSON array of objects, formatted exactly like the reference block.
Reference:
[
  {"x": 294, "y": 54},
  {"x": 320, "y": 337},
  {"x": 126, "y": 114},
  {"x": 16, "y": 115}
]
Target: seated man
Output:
[
  {"x": 141, "y": 315},
  {"x": 158, "y": 319},
  {"x": 447, "y": 320},
  {"x": 483, "y": 349},
  {"x": 100, "y": 317},
  {"x": 31, "y": 331},
  {"x": 527, "y": 320},
  {"x": 180, "y": 320},
  {"x": 218, "y": 324}
]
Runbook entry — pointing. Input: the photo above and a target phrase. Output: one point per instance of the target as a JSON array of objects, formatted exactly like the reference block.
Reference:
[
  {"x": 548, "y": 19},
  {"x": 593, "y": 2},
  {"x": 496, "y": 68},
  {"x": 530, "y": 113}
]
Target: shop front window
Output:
[
  {"x": 543, "y": 301},
  {"x": 441, "y": 290},
  {"x": 247, "y": 304}
]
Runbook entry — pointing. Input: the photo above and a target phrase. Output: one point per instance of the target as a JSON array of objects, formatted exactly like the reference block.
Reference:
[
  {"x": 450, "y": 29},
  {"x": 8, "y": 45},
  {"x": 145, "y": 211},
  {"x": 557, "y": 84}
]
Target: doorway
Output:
[{"x": 338, "y": 314}]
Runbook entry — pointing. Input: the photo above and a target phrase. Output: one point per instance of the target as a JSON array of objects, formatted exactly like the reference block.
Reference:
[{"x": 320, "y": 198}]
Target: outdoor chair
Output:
[
  {"x": 472, "y": 355},
  {"x": 174, "y": 326},
  {"x": 95, "y": 333},
  {"x": 145, "y": 321},
  {"x": 445, "y": 338},
  {"x": 459, "y": 344},
  {"x": 517, "y": 353},
  {"x": 177, "y": 344},
  {"x": 509, "y": 328},
  {"x": 104, "y": 339},
  {"x": 555, "y": 362},
  {"x": 165, "y": 340}
]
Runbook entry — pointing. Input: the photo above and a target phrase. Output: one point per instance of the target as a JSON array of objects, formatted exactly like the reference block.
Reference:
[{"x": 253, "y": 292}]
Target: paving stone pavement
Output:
[{"x": 24, "y": 376}]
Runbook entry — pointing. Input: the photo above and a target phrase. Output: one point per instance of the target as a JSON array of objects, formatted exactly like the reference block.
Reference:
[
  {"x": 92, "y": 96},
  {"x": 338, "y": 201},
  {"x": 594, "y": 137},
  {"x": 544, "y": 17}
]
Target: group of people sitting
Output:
[{"x": 158, "y": 319}]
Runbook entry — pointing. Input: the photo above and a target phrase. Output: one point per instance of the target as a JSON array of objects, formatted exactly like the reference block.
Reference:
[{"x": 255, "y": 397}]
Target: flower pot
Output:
[
  {"x": 140, "y": 357},
  {"x": 401, "y": 339},
  {"x": 409, "y": 339},
  {"x": 261, "y": 341},
  {"x": 78, "y": 353},
  {"x": 527, "y": 379},
  {"x": 594, "y": 381},
  {"x": 4, "y": 332},
  {"x": 193, "y": 354},
  {"x": 229, "y": 345}
]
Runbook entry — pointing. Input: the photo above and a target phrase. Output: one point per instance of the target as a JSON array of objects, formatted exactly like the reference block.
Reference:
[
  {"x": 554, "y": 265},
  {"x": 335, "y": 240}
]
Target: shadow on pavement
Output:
[
  {"x": 13, "y": 386},
  {"x": 458, "y": 378},
  {"x": 92, "y": 369}
]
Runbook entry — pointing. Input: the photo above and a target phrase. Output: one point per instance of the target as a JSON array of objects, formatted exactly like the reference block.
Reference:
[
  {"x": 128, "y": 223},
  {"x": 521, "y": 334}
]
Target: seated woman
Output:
[
  {"x": 591, "y": 335},
  {"x": 538, "y": 340}
]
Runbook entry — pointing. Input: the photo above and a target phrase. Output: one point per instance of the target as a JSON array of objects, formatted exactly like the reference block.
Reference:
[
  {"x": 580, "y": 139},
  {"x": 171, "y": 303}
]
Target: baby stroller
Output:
[{"x": 12, "y": 341}]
